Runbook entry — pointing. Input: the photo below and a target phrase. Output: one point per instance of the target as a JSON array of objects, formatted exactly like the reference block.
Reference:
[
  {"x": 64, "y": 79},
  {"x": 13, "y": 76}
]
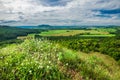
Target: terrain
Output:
[
  {"x": 60, "y": 54},
  {"x": 9, "y": 34}
]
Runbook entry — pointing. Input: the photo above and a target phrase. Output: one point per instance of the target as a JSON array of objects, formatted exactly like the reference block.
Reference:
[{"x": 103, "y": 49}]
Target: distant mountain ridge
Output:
[{"x": 46, "y": 26}]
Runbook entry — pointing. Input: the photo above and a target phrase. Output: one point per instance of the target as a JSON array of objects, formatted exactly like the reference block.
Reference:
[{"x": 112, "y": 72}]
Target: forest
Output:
[
  {"x": 7, "y": 32},
  {"x": 8, "y": 35}
]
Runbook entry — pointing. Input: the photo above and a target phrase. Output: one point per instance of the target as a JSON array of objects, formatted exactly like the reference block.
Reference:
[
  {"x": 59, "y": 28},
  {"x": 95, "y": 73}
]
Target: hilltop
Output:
[{"x": 41, "y": 59}]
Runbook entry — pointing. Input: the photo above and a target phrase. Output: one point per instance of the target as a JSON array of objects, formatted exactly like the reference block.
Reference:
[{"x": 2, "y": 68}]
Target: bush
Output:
[
  {"x": 31, "y": 60},
  {"x": 69, "y": 58},
  {"x": 94, "y": 68}
]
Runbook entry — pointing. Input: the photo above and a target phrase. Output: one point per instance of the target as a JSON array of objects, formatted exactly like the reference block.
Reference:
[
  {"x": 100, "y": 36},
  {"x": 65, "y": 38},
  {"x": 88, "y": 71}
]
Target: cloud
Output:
[
  {"x": 60, "y": 12},
  {"x": 8, "y": 21},
  {"x": 54, "y": 2}
]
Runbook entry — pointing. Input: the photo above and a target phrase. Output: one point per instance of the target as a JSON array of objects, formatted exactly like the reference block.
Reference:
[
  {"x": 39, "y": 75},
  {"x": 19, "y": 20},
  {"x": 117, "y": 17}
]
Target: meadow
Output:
[
  {"x": 76, "y": 32},
  {"x": 82, "y": 54}
]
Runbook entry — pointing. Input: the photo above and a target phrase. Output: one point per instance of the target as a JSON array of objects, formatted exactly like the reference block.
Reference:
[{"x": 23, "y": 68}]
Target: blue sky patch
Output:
[
  {"x": 114, "y": 11},
  {"x": 103, "y": 15}
]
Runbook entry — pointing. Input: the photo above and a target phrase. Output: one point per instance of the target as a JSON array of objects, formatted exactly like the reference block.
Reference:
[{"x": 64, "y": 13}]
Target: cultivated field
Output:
[{"x": 85, "y": 33}]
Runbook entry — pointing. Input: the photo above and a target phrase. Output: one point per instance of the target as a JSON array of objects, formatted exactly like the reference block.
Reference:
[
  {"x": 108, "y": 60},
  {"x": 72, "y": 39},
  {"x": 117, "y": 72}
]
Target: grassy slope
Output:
[
  {"x": 108, "y": 62},
  {"x": 38, "y": 59}
]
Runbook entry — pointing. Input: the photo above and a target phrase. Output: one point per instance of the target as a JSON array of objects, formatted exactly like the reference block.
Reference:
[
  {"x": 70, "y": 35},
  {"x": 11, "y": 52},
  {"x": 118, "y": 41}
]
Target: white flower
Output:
[
  {"x": 48, "y": 67},
  {"x": 1, "y": 57},
  {"x": 22, "y": 64},
  {"x": 49, "y": 62},
  {"x": 66, "y": 64},
  {"x": 30, "y": 71},
  {"x": 58, "y": 59},
  {"x": 40, "y": 66}
]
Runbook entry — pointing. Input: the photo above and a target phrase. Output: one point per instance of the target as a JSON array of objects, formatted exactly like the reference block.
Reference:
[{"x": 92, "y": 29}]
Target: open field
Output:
[
  {"x": 85, "y": 33},
  {"x": 102, "y": 35}
]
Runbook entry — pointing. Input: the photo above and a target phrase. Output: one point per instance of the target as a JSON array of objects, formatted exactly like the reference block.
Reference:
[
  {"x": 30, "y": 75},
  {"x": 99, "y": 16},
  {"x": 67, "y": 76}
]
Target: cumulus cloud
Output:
[{"x": 60, "y": 12}]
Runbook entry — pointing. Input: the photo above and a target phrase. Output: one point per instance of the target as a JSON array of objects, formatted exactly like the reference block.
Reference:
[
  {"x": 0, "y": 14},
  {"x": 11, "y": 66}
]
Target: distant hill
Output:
[
  {"x": 7, "y": 32},
  {"x": 46, "y": 26}
]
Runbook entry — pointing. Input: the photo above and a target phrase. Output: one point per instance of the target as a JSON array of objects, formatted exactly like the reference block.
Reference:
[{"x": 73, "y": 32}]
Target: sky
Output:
[{"x": 59, "y": 12}]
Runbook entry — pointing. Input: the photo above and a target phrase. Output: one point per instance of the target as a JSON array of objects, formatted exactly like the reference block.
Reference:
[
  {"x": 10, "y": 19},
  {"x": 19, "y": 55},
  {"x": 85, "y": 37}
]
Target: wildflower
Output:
[
  {"x": 1, "y": 57},
  {"x": 48, "y": 67},
  {"x": 22, "y": 64},
  {"x": 30, "y": 71},
  {"x": 58, "y": 59},
  {"x": 66, "y": 64},
  {"x": 40, "y": 66},
  {"x": 45, "y": 58},
  {"x": 49, "y": 62}
]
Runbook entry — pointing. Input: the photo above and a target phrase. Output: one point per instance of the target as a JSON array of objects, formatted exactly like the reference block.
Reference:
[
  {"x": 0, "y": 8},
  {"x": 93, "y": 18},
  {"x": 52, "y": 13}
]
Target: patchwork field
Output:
[{"x": 85, "y": 33}]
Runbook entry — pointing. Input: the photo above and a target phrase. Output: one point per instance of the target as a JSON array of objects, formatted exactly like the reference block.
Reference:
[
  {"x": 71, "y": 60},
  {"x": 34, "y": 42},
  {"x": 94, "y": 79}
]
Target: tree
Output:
[{"x": 118, "y": 33}]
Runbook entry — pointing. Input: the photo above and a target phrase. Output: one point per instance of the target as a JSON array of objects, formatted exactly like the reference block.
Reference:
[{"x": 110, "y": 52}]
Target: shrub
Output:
[
  {"x": 69, "y": 58},
  {"x": 31, "y": 60}
]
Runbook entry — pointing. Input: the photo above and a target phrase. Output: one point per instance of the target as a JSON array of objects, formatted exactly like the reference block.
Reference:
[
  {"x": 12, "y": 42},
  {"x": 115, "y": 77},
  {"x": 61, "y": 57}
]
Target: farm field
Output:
[
  {"x": 85, "y": 33},
  {"x": 100, "y": 35}
]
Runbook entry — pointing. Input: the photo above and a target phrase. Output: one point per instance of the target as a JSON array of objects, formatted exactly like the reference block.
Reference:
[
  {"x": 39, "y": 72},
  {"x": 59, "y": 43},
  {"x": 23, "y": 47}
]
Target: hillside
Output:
[
  {"x": 7, "y": 32},
  {"x": 43, "y": 60}
]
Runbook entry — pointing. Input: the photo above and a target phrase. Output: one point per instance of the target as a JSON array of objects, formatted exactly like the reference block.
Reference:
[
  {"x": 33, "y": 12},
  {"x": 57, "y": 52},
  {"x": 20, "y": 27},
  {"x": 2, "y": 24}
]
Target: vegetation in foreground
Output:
[{"x": 42, "y": 60}]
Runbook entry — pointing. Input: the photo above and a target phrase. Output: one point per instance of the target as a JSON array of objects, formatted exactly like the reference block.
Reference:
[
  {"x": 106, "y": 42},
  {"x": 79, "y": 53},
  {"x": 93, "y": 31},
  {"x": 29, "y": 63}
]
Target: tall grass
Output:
[{"x": 33, "y": 59}]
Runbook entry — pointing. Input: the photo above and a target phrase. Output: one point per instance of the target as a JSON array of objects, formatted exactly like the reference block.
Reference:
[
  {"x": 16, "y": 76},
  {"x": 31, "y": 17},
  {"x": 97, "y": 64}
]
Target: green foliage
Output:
[
  {"x": 39, "y": 59},
  {"x": 9, "y": 42},
  {"x": 118, "y": 33},
  {"x": 90, "y": 68},
  {"x": 12, "y": 32},
  {"x": 43, "y": 60},
  {"x": 33, "y": 59},
  {"x": 109, "y": 46},
  {"x": 69, "y": 58},
  {"x": 94, "y": 68}
]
